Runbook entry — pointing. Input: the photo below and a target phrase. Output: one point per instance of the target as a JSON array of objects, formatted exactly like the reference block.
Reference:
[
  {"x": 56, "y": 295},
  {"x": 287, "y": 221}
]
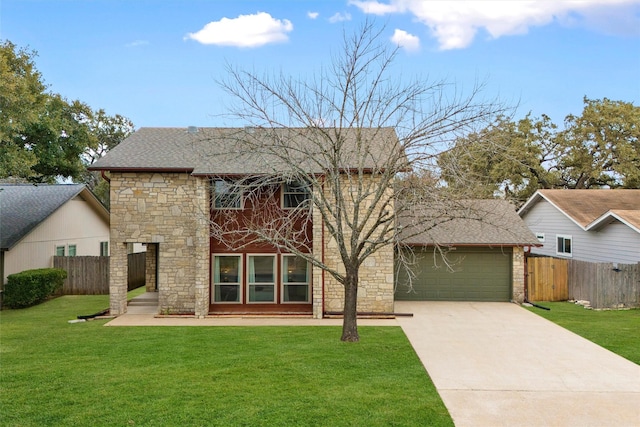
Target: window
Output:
[
  {"x": 227, "y": 279},
  {"x": 261, "y": 278},
  {"x": 60, "y": 250},
  {"x": 104, "y": 248},
  {"x": 295, "y": 279},
  {"x": 295, "y": 194},
  {"x": 72, "y": 250},
  {"x": 563, "y": 245},
  {"x": 226, "y": 195}
]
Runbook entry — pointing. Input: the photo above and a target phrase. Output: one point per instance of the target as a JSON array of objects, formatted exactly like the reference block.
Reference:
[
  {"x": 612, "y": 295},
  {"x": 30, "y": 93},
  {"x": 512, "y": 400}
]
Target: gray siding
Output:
[{"x": 615, "y": 242}]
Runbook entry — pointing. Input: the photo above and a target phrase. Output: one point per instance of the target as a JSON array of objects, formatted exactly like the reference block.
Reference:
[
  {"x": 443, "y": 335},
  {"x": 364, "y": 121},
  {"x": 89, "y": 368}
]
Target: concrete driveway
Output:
[{"x": 496, "y": 364}]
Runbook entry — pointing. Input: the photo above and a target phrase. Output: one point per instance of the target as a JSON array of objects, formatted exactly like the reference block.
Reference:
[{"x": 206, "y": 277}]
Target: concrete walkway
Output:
[{"x": 497, "y": 364}]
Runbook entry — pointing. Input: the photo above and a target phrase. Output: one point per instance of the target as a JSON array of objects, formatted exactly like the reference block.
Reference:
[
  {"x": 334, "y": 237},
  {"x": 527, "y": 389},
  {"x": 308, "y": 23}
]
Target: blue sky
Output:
[{"x": 157, "y": 61}]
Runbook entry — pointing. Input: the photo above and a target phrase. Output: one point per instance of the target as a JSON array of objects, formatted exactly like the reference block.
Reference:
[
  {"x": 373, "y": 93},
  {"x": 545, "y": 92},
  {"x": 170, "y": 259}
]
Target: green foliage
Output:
[
  {"x": 60, "y": 374},
  {"x": 32, "y": 287},
  {"x": 615, "y": 330},
  {"x": 43, "y": 136},
  {"x": 600, "y": 148}
]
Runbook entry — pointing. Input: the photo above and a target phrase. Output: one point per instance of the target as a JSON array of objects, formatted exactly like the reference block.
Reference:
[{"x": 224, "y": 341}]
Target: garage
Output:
[
  {"x": 485, "y": 242},
  {"x": 476, "y": 274}
]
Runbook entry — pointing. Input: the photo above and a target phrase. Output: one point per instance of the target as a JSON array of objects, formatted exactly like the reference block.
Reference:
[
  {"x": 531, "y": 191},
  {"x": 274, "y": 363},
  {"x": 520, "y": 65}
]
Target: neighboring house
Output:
[
  {"x": 586, "y": 225},
  {"x": 40, "y": 221},
  {"x": 473, "y": 251}
]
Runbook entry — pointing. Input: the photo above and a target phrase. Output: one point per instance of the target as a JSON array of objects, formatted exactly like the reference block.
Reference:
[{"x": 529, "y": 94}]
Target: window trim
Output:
[
  {"x": 248, "y": 283},
  {"x": 215, "y": 199},
  {"x": 284, "y": 192},
  {"x": 240, "y": 278},
  {"x": 564, "y": 237},
  {"x": 283, "y": 283}
]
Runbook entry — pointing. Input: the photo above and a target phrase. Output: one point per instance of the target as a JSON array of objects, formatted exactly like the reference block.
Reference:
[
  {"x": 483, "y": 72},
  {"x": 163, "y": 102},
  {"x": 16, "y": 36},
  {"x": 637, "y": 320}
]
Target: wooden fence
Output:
[
  {"x": 604, "y": 285},
  {"x": 547, "y": 279},
  {"x": 89, "y": 275}
]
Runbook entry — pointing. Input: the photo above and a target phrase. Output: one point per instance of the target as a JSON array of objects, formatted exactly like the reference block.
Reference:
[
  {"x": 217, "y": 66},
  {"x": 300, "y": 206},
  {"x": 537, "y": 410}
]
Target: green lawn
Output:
[
  {"x": 58, "y": 374},
  {"x": 616, "y": 330}
]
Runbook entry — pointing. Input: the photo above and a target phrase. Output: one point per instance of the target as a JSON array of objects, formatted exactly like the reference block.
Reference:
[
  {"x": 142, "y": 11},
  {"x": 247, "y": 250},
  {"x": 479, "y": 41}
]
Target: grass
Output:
[
  {"x": 615, "y": 330},
  {"x": 60, "y": 374}
]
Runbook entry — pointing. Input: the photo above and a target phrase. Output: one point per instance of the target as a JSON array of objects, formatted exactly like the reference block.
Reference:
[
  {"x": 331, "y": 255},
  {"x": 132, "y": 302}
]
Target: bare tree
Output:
[{"x": 348, "y": 133}]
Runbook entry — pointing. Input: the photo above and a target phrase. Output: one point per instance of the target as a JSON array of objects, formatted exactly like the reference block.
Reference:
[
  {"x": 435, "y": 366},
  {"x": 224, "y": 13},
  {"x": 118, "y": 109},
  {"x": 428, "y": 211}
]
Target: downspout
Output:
[
  {"x": 322, "y": 255},
  {"x": 104, "y": 176}
]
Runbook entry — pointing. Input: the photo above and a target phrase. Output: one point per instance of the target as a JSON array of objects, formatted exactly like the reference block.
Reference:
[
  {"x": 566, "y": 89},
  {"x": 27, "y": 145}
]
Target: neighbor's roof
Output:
[
  {"x": 232, "y": 151},
  {"x": 592, "y": 209},
  {"x": 466, "y": 222},
  {"x": 24, "y": 206}
]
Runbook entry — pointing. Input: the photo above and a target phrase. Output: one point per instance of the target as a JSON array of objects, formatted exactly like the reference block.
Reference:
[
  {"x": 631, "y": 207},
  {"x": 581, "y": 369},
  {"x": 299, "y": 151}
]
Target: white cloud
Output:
[
  {"x": 244, "y": 31},
  {"x": 455, "y": 23},
  {"x": 313, "y": 15},
  {"x": 340, "y": 17},
  {"x": 407, "y": 41},
  {"x": 137, "y": 43}
]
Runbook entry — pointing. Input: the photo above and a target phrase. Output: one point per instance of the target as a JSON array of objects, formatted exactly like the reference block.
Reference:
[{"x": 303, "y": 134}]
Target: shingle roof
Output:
[
  {"x": 229, "y": 151},
  {"x": 592, "y": 208},
  {"x": 467, "y": 222},
  {"x": 24, "y": 206}
]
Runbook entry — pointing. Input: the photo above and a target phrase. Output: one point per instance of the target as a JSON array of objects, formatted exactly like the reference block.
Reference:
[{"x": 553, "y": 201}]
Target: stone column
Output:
[
  {"x": 150, "y": 267},
  {"x": 518, "y": 275},
  {"x": 118, "y": 267},
  {"x": 202, "y": 252}
]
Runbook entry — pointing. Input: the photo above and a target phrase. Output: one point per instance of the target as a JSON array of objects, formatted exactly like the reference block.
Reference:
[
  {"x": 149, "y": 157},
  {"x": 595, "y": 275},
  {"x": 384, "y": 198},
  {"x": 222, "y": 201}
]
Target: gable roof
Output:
[
  {"x": 592, "y": 209},
  {"x": 234, "y": 151},
  {"x": 24, "y": 206},
  {"x": 491, "y": 222}
]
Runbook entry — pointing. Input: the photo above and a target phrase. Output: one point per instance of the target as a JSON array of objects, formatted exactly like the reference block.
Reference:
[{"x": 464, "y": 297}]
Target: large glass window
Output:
[
  {"x": 564, "y": 245},
  {"x": 261, "y": 278},
  {"x": 227, "y": 195},
  {"x": 227, "y": 279},
  {"x": 295, "y": 194},
  {"x": 295, "y": 279}
]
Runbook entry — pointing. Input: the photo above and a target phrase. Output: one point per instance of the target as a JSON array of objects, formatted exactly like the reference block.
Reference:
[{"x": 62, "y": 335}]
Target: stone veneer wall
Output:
[
  {"x": 172, "y": 210},
  {"x": 517, "y": 274},
  {"x": 375, "y": 290}
]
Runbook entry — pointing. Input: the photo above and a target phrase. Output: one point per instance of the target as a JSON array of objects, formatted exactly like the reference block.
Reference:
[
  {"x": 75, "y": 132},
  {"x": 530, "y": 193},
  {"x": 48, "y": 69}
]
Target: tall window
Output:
[
  {"x": 261, "y": 278},
  {"x": 564, "y": 245},
  {"x": 295, "y": 279},
  {"x": 295, "y": 194},
  {"x": 227, "y": 278},
  {"x": 227, "y": 195},
  {"x": 104, "y": 248}
]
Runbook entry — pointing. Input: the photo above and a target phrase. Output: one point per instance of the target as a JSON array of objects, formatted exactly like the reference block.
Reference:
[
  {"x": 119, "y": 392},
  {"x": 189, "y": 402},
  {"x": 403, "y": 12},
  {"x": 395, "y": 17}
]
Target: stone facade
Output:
[
  {"x": 172, "y": 211},
  {"x": 517, "y": 274},
  {"x": 376, "y": 285}
]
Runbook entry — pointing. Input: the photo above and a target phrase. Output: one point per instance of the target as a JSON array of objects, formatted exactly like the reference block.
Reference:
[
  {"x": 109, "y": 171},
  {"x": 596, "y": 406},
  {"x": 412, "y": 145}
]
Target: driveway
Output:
[{"x": 497, "y": 364}]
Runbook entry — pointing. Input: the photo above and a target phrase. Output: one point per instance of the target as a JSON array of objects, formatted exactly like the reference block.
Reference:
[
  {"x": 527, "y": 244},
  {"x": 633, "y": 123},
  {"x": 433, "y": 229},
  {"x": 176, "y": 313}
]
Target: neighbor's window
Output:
[
  {"x": 295, "y": 279},
  {"x": 261, "y": 278},
  {"x": 72, "y": 250},
  {"x": 60, "y": 251},
  {"x": 227, "y": 278},
  {"x": 295, "y": 193},
  {"x": 104, "y": 248},
  {"x": 227, "y": 195},
  {"x": 564, "y": 246}
]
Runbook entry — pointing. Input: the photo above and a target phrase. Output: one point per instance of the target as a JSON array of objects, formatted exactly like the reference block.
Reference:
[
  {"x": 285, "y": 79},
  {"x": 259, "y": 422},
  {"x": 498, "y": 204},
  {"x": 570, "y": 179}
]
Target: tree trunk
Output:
[{"x": 350, "y": 324}]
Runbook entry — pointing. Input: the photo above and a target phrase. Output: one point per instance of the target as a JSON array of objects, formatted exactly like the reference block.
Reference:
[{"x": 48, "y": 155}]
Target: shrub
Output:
[{"x": 31, "y": 287}]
